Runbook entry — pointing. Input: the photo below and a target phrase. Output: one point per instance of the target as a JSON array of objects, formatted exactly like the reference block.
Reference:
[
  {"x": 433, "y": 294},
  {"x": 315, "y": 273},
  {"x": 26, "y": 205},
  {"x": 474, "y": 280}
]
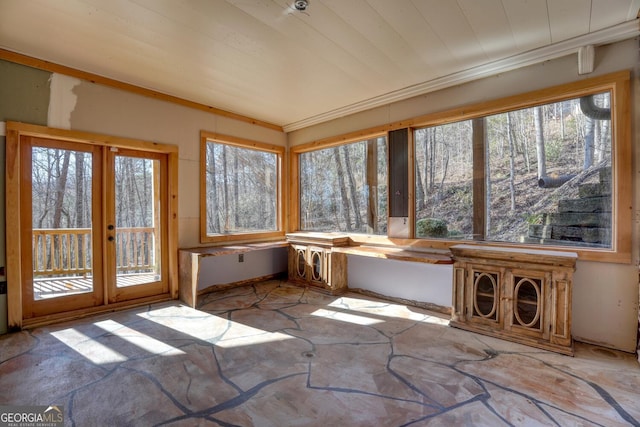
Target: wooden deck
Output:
[{"x": 59, "y": 286}]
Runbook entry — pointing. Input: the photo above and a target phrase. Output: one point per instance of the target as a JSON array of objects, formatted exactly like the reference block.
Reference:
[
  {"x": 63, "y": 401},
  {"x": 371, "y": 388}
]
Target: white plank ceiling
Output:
[{"x": 264, "y": 59}]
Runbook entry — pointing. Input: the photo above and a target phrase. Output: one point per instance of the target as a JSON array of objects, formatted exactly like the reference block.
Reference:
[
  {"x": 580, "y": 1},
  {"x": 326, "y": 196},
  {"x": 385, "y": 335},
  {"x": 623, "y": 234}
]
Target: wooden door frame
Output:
[{"x": 14, "y": 132}]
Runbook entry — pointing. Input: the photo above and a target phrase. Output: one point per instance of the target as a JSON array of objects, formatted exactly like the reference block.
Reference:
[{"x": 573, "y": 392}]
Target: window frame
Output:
[
  {"x": 252, "y": 236},
  {"x": 294, "y": 192},
  {"x": 617, "y": 83}
]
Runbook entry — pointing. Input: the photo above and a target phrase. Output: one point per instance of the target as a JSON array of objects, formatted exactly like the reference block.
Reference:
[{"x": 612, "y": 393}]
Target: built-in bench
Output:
[
  {"x": 205, "y": 269},
  {"x": 320, "y": 259},
  {"x": 416, "y": 277},
  {"x": 512, "y": 293},
  {"x": 398, "y": 254}
]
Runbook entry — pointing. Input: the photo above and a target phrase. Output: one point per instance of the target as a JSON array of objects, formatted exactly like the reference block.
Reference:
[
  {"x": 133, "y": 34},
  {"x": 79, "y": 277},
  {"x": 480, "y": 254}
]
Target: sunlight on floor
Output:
[
  {"x": 277, "y": 353},
  {"x": 346, "y": 317},
  {"x": 88, "y": 347},
  {"x": 145, "y": 342},
  {"x": 219, "y": 331},
  {"x": 388, "y": 310}
]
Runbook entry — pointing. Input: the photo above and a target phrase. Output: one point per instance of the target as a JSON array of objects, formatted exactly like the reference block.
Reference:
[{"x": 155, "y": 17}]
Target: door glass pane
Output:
[
  {"x": 137, "y": 217},
  {"x": 61, "y": 222}
]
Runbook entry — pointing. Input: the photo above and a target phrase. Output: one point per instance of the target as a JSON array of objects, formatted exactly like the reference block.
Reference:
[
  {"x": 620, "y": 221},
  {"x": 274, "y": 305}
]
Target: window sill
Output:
[
  {"x": 241, "y": 238},
  {"x": 620, "y": 256},
  {"x": 397, "y": 254}
]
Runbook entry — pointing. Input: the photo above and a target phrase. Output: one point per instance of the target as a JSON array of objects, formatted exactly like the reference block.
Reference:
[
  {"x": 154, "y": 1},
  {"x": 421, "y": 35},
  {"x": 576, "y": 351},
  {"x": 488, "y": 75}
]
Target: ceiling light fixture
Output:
[{"x": 301, "y": 5}]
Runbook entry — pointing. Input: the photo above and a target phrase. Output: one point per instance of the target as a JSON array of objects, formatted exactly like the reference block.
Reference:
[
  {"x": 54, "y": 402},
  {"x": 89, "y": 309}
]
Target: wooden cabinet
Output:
[
  {"x": 312, "y": 260},
  {"x": 521, "y": 295},
  {"x": 310, "y": 264}
]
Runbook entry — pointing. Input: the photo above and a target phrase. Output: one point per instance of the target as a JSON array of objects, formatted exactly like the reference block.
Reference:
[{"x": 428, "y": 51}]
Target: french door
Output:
[{"x": 93, "y": 225}]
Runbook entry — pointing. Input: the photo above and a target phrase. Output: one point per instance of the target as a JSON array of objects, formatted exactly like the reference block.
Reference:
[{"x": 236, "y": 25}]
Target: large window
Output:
[
  {"x": 543, "y": 176},
  {"x": 343, "y": 187},
  {"x": 241, "y": 189},
  {"x": 550, "y": 168}
]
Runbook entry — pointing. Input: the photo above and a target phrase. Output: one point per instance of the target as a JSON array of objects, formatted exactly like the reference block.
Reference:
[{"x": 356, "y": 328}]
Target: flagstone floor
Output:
[{"x": 274, "y": 354}]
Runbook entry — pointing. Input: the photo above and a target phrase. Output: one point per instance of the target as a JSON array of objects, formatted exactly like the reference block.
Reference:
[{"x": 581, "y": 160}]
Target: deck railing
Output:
[{"x": 68, "y": 251}]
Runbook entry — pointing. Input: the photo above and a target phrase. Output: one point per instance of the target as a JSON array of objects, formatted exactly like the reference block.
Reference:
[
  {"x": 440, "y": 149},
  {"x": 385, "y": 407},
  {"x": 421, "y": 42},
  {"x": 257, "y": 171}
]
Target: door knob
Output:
[
  {"x": 110, "y": 238},
  {"x": 110, "y": 227}
]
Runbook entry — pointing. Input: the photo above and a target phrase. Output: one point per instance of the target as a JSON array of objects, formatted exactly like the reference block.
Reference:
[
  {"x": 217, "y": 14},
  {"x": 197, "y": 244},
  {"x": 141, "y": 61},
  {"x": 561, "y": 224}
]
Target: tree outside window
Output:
[
  {"x": 543, "y": 176},
  {"x": 344, "y": 188},
  {"x": 241, "y": 188}
]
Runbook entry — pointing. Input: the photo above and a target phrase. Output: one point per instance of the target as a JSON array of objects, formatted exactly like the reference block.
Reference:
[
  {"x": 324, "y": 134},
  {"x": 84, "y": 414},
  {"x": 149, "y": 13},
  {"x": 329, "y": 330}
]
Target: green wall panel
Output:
[{"x": 24, "y": 94}]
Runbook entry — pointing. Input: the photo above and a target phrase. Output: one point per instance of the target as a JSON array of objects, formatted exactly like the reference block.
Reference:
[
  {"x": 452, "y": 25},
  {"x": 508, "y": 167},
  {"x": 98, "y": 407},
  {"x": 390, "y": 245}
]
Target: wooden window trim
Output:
[
  {"x": 617, "y": 83},
  {"x": 248, "y": 144},
  {"x": 293, "y": 213}
]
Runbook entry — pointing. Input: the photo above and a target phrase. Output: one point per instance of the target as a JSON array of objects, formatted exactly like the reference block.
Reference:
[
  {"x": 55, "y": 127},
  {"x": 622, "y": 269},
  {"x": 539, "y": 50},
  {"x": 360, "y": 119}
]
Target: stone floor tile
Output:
[
  {"x": 312, "y": 297},
  {"x": 498, "y": 345},
  {"x": 282, "y": 297},
  {"x": 192, "y": 421},
  {"x": 362, "y": 368},
  {"x": 221, "y": 304},
  {"x": 372, "y": 305},
  {"x": 262, "y": 289},
  {"x": 276, "y": 354},
  {"x": 517, "y": 409},
  {"x": 12, "y": 345},
  {"x": 322, "y": 329},
  {"x": 563, "y": 418},
  {"x": 124, "y": 397},
  {"x": 442, "y": 385},
  {"x": 288, "y": 402},
  {"x": 300, "y": 311},
  {"x": 544, "y": 384},
  {"x": 246, "y": 366},
  {"x": 190, "y": 322},
  {"x": 473, "y": 414},
  {"x": 193, "y": 378},
  {"x": 437, "y": 343},
  {"x": 43, "y": 379},
  {"x": 267, "y": 320}
]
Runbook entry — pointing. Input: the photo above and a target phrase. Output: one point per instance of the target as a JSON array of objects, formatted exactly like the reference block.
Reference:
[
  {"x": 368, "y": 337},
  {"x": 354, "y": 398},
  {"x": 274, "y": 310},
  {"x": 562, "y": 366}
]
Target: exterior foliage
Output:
[
  {"x": 431, "y": 227},
  {"x": 343, "y": 188},
  {"x": 241, "y": 189},
  {"x": 528, "y": 156}
]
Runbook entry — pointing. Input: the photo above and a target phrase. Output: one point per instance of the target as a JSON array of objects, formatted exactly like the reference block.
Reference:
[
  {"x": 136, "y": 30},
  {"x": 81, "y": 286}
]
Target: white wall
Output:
[
  {"x": 616, "y": 57},
  {"x": 84, "y": 106},
  {"x": 419, "y": 281},
  {"x": 223, "y": 269},
  {"x": 605, "y": 304},
  {"x": 605, "y": 298}
]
